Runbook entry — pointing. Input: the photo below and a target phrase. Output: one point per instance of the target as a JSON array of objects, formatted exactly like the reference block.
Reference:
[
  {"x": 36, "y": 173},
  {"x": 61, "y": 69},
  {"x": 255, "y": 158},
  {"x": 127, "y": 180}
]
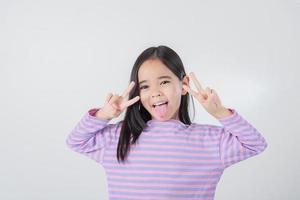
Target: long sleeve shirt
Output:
[{"x": 171, "y": 160}]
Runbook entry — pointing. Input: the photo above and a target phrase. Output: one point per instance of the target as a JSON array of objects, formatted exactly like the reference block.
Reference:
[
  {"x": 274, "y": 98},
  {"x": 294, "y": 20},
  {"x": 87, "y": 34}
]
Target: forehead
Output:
[{"x": 152, "y": 69}]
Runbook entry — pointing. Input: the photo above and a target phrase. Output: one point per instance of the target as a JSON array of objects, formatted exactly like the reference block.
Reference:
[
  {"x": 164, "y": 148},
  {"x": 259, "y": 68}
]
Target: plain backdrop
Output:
[{"x": 60, "y": 58}]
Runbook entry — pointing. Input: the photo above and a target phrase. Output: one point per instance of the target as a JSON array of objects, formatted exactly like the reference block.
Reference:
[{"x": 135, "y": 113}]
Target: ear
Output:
[{"x": 185, "y": 81}]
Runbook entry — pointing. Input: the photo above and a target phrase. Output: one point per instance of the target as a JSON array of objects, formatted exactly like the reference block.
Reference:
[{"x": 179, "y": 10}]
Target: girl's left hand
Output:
[{"x": 208, "y": 98}]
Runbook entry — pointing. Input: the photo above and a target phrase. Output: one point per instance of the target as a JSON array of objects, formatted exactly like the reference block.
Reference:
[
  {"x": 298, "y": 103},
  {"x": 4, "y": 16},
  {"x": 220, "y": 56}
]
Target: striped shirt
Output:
[{"x": 171, "y": 160}]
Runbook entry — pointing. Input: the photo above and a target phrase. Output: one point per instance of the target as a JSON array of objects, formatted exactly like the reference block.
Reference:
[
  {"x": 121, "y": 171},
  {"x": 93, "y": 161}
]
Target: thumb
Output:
[{"x": 108, "y": 97}]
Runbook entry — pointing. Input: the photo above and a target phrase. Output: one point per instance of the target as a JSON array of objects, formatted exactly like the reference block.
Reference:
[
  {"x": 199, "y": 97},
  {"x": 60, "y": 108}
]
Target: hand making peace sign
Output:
[
  {"x": 208, "y": 98},
  {"x": 115, "y": 104}
]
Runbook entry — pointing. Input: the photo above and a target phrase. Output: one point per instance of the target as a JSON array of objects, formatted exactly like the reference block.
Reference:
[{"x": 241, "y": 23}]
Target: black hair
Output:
[{"x": 136, "y": 115}]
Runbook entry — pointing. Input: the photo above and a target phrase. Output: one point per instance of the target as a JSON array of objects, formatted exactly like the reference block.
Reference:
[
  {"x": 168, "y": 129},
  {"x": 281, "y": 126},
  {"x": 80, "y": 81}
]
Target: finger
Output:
[
  {"x": 130, "y": 102},
  {"x": 209, "y": 93},
  {"x": 216, "y": 97},
  {"x": 128, "y": 89},
  {"x": 191, "y": 91},
  {"x": 194, "y": 93},
  {"x": 108, "y": 97},
  {"x": 196, "y": 82},
  {"x": 113, "y": 100},
  {"x": 214, "y": 93},
  {"x": 208, "y": 90},
  {"x": 212, "y": 96}
]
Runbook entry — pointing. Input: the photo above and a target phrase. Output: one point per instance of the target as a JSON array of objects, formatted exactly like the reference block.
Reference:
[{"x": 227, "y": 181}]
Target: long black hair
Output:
[{"x": 136, "y": 115}]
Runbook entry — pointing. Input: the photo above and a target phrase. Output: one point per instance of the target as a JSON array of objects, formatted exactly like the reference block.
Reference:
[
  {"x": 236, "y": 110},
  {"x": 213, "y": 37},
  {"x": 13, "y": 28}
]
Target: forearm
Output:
[
  {"x": 89, "y": 127},
  {"x": 239, "y": 139}
]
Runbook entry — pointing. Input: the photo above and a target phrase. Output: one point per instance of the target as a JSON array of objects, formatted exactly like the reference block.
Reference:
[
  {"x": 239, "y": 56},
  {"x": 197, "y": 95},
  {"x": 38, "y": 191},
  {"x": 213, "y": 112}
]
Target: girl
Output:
[{"x": 156, "y": 152}]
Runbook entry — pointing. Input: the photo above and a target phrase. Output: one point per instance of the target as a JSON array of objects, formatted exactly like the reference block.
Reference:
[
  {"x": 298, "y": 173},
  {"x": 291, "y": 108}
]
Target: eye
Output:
[
  {"x": 143, "y": 87},
  {"x": 165, "y": 82}
]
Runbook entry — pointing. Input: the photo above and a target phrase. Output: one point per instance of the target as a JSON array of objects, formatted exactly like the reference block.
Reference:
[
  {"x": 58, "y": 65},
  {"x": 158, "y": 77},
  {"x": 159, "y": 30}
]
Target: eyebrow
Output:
[{"x": 161, "y": 77}]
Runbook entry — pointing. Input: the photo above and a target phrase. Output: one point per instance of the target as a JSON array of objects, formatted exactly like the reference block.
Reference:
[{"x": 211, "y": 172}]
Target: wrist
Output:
[
  {"x": 101, "y": 115},
  {"x": 223, "y": 113}
]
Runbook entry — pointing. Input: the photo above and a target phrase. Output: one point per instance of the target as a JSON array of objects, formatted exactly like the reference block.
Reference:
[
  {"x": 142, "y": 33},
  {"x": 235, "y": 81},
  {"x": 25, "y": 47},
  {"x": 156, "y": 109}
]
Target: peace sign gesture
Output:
[
  {"x": 115, "y": 104},
  {"x": 208, "y": 98}
]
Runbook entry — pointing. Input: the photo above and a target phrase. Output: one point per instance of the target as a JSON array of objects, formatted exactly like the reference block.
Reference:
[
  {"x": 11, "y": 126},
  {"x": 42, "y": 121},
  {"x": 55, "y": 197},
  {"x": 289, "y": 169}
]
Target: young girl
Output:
[{"x": 156, "y": 152}]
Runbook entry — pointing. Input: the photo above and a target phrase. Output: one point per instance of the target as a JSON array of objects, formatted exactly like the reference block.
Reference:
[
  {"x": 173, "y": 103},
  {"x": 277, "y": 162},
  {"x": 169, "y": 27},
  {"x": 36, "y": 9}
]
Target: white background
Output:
[{"x": 60, "y": 58}]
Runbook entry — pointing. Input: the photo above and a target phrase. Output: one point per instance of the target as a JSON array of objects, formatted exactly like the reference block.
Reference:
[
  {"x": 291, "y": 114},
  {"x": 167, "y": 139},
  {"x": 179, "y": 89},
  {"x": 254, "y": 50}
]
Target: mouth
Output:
[
  {"x": 160, "y": 104},
  {"x": 160, "y": 109}
]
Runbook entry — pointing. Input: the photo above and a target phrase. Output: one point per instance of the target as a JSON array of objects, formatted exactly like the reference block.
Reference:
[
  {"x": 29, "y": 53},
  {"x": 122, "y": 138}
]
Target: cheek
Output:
[
  {"x": 143, "y": 99},
  {"x": 174, "y": 92},
  {"x": 176, "y": 95}
]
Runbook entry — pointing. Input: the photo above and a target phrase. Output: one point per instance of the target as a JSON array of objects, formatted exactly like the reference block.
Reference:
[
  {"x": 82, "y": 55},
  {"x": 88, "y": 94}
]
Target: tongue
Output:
[{"x": 161, "y": 110}]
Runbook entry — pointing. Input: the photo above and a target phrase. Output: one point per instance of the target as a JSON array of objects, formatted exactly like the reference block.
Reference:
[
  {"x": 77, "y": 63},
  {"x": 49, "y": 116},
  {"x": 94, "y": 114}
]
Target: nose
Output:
[
  {"x": 155, "y": 95},
  {"x": 155, "y": 91}
]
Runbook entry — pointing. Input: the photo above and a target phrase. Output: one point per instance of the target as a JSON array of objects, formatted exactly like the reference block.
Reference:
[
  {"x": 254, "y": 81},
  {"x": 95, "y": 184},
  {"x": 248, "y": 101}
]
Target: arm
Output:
[
  {"x": 91, "y": 135},
  {"x": 239, "y": 140}
]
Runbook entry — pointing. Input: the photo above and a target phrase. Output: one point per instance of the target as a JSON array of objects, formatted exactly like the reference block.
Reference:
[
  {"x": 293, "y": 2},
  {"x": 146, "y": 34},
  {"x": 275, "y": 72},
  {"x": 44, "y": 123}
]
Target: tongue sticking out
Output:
[{"x": 161, "y": 110}]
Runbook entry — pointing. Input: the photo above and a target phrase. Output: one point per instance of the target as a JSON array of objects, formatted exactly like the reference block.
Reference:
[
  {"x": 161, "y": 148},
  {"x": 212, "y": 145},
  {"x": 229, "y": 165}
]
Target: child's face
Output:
[{"x": 154, "y": 90}]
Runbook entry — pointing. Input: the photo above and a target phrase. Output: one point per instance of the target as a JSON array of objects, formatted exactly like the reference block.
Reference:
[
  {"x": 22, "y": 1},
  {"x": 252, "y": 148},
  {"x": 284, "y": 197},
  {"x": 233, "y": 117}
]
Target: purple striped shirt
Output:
[{"x": 170, "y": 160}]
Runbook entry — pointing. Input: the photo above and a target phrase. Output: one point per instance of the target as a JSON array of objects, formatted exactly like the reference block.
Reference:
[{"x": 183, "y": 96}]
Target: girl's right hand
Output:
[{"x": 115, "y": 104}]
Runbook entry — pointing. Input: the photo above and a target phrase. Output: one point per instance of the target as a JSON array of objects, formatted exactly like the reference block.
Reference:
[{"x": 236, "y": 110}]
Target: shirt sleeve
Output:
[
  {"x": 239, "y": 140},
  {"x": 91, "y": 136}
]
